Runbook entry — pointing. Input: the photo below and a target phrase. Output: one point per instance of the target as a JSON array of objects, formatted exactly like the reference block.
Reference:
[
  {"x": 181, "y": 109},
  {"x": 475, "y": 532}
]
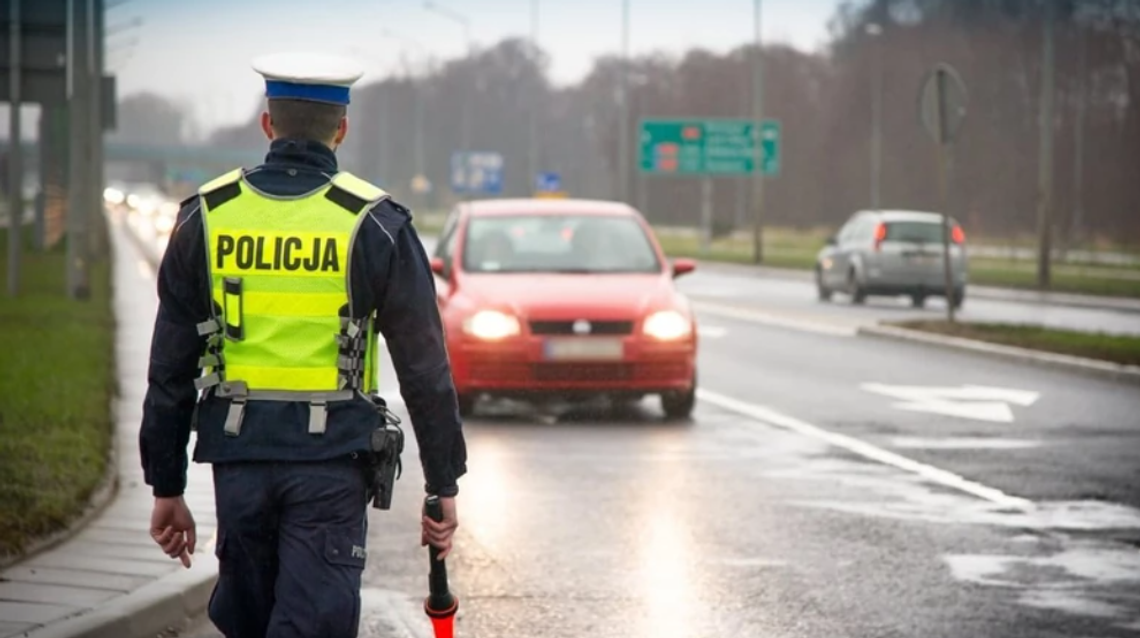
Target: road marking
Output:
[
  {"x": 968, "y": 402},
  {"x": 962, "y": 443},
  {"x": 795, "y": 323},
  {"x": 712, "y": 332},
  {"x": 948, "y": 479}
]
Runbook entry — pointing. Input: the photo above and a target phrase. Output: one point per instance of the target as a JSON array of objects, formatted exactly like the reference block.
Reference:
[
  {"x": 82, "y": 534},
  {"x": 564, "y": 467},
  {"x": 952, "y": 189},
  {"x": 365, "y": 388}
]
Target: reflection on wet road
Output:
[{"x": 620, "y": 524}]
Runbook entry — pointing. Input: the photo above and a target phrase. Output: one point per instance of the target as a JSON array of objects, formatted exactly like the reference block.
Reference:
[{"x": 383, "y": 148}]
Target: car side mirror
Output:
[
  {"x": 437, "y": 266},
  {"x": 832, "y": 241},
  {"x": 683, "y": 267}
]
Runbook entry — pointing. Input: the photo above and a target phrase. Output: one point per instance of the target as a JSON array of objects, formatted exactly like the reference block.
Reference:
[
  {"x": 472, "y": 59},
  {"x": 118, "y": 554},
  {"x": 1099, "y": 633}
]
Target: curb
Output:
[
  {"x": 163, "y": 605},
  {"x": 1090, "y": 367},
  {"x": 101, "y": 497}
]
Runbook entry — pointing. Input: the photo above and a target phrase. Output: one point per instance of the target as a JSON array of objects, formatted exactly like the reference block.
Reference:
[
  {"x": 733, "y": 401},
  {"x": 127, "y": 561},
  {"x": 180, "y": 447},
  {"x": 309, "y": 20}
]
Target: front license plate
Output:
[{"x": 583, "y": 348}]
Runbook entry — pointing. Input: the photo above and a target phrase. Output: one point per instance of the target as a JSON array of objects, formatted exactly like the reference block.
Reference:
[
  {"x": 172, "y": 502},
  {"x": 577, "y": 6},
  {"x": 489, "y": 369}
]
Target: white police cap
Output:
[{"x": 318, "y": 77}]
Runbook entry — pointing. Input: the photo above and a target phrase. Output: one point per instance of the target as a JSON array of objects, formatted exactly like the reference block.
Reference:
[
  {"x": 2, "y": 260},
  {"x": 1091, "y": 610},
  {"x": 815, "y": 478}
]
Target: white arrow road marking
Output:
[
  {"x": 862, "y": 448},
  {"x": 968, "y": 402}
]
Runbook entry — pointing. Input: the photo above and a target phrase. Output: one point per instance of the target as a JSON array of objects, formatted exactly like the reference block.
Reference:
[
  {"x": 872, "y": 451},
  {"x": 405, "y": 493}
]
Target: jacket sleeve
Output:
[
  {"x": 183, "y": 302},
  {"x": 409, "y": 319}
]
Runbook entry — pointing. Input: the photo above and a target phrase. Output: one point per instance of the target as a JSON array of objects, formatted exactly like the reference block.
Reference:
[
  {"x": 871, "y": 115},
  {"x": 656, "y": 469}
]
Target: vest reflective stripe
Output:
[{"x": 280, "y": 274}]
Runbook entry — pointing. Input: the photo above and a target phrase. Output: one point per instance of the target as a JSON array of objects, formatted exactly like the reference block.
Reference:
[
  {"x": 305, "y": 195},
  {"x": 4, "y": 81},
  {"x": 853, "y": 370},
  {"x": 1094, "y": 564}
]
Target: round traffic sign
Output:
[{"x": 942, "y": 103}]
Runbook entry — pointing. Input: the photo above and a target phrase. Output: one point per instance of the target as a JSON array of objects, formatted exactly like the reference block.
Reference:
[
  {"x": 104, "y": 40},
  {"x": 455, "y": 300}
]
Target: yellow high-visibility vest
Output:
[{"x": 284, "y": 328}]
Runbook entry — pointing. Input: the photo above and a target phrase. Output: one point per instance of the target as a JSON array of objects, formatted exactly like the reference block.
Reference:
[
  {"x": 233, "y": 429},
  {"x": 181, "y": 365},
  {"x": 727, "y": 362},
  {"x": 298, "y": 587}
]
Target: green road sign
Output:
[{"x": 708, "y": 147}]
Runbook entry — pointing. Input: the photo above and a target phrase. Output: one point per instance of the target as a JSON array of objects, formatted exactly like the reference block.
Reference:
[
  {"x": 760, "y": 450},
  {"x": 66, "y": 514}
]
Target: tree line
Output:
[{"x": 824, "y": 102}]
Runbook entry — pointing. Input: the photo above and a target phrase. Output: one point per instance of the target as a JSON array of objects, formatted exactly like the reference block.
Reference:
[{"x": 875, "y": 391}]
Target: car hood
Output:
[{"x": 617, "y": 296}]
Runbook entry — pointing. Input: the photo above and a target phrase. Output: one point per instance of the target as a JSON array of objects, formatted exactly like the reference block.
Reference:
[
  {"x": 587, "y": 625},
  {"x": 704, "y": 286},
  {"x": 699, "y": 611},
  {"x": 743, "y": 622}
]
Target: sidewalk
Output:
[{"x": 110, "y": 579}]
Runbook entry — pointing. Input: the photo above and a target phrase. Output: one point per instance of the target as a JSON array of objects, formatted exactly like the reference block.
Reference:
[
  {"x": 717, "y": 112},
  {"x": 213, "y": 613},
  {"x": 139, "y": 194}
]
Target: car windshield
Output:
[
  {"x": 558, "y": 243},
  {"x": 915, "y": 232}
]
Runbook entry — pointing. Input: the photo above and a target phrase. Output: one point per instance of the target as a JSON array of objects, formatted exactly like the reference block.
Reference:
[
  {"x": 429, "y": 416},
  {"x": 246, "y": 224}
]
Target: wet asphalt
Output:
[
  {"x": 802, "y": 500},
  {"x": 609, "y": 521}
]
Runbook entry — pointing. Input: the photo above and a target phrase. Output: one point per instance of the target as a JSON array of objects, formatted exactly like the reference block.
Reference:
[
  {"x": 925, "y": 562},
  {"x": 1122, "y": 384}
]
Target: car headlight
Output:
[
  {"x": 491, "y": 324},
  {"x": 667, "y": 325}
]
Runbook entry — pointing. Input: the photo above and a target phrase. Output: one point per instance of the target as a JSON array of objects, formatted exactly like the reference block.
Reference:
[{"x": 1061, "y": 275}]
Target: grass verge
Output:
[
  {"x": 1122, "y": 349},
  {"x": 797, "y": 250},
  {"x": 56, "y": 383}
]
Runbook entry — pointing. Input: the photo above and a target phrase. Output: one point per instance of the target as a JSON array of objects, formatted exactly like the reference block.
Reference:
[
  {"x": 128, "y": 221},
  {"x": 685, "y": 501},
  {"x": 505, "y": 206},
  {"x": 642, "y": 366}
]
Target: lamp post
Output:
[
  {"x": 532, "y": 141},
  {"x": 758, "y": 116},
  {"x": 875, "y": 31},
  {"x": 464, "y": 22},
  {"x": 419, "y": 104},
  {"x": 623, "y": 123}
]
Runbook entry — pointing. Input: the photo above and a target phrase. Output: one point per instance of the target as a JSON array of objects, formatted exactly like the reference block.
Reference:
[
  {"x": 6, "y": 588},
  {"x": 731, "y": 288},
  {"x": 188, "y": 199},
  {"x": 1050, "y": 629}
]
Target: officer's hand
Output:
[
  {"x": 172, "y": 527},
  {"x": 439, "y": 534}
]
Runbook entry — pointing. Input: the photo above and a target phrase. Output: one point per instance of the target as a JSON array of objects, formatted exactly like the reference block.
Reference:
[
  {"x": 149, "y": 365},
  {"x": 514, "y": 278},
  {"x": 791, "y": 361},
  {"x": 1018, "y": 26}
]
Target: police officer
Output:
[{"x": 272, "y": 290}]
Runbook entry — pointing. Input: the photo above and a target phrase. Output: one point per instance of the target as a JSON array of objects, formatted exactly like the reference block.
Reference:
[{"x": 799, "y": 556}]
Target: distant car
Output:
[
  {"x": 565, "y": 299},
  {"x": 892, "y": 253}
]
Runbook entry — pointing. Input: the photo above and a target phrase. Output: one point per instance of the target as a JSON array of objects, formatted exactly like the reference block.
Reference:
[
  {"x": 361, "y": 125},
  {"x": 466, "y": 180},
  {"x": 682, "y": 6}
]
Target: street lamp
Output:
[
  {"x": 464, "y": 22},
  {"x": 874, "y": 30},
  {"x": 758, "y": 157},
  {"x": 532, "y": 147},
  {"x": 623, "y": 124},
  {"x": 419, "y": 106}
]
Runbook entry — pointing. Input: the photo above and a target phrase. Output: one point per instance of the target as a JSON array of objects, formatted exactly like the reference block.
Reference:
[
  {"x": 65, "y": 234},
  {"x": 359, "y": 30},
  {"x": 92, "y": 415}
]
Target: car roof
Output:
[
  {"x": 542, "y": 206},
  {"x": 904, "y": 215}
]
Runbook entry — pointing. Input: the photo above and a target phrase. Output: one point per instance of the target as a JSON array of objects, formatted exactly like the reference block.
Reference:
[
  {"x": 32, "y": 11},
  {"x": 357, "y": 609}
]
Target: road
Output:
[
  {"x": 828, "y": 484},
  {"x": 791, "y": 296}
]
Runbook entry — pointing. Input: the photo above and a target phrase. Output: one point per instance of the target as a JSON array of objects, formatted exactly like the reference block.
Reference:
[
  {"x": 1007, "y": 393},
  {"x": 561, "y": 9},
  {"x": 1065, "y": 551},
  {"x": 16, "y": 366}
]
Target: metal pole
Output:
[
  {"x": 532, "y": 152},
  {"x": 943, "y": 191},
  {"x": 15, "y": 151},
  {"x": 1045, "y": 162},
  {"x": 466, "y": 115},
  {"x": 623, "y": 122},
  {"x": 95, "y": 131},
  {"x": 758, "y": 116},
  {"x": 1079, "y": 168},
  {"x": 706, "y": 215},
  {"x": 78, "y": 284},
  {"x": 877, "y": 126}
]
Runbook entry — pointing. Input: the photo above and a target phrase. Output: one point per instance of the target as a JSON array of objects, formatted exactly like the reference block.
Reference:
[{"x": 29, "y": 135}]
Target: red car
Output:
[{"x": 563, "y": 299}]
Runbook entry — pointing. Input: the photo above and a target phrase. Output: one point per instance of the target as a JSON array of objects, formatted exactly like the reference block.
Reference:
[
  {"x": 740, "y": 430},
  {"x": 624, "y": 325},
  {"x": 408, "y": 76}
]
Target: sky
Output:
[{"x": 198, "y": 52}]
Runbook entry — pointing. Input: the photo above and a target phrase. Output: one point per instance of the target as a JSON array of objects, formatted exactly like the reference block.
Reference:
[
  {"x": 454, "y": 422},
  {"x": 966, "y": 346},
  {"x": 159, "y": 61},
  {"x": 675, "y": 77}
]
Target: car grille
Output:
[
  {"x": 567, "y": 327},
  {"x": 583, "y": 372}
]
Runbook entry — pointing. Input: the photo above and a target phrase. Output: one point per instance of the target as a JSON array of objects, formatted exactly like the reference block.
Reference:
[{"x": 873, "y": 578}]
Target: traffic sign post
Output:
[
  {"x": 941, "y": 110},
  {"x": 708, "y": 148},
  {"x": 548, "y": 185},
  {"x": 476, "y": 173}
]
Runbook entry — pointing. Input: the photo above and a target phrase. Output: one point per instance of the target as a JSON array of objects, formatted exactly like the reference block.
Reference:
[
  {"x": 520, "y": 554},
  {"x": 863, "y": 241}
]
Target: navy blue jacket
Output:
[{"x": 402, "y": 291}]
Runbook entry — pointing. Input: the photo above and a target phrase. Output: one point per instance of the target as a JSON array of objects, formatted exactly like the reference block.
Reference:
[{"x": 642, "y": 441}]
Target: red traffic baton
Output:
[{"x": 441, "y": 604}]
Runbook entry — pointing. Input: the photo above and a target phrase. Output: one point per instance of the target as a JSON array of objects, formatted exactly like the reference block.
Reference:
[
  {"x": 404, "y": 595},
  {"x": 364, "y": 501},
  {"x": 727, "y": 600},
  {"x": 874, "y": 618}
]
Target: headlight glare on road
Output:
[
  {"x": 667, "y": 325},
  {"x": 491, "y": 324}
]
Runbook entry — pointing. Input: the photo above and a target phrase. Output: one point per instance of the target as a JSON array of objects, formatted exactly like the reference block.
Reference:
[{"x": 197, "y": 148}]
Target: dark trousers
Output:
[{"x": 291, "y": 549}]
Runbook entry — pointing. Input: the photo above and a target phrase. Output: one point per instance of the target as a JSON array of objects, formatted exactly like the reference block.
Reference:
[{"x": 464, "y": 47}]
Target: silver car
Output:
[{"x": 892, "y": 253}]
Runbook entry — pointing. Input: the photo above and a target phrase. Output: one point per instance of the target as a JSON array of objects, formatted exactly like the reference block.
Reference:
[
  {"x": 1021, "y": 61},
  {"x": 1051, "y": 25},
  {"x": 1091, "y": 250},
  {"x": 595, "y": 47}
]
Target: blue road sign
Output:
[
  {"x": 548, "y": 183},
  {"x": 477, "y": 173}
]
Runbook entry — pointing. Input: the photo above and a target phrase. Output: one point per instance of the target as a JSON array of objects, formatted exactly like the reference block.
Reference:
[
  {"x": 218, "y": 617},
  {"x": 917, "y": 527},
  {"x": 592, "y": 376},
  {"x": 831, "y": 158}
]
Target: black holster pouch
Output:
[{"x": 387, "y": 443}]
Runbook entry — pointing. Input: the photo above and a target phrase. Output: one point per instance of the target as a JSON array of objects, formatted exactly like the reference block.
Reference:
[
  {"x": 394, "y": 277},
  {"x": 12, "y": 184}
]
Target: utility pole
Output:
[
  {"x": 758, "y": 160},
  {"x": 876, "y": 32},
  {"x": 15, "y": 151},
  {"x": 623, "y": 123},
  {"x": 95, "y": 128},
  {"x": 1045, "y": 161},
  {"x": 1079, "y": 168},
  {"x": 532, "y": 152},
  {"x": 79, "y": 199}
]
